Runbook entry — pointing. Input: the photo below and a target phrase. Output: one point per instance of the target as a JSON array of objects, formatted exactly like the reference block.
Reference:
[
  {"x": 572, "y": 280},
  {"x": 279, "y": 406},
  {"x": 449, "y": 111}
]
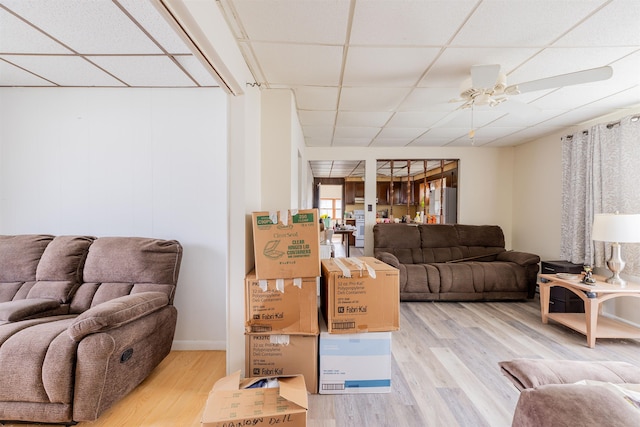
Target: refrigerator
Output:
[{"x": 449, "y": 204}]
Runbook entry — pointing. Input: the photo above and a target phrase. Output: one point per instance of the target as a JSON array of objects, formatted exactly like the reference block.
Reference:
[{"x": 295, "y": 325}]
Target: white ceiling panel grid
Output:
[{"x": 363, "y": 72}]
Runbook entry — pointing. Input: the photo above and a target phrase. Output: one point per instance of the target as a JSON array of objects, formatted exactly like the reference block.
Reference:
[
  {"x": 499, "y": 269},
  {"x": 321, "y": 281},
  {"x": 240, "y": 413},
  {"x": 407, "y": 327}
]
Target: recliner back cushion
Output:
[
  {"x": 440, "y": 243},
  {"x": 19, "y": 258},
  {"x": 59, "y": 271},
  {"x": 401, "y": 240},
  {"x": 118, "y": 266}
]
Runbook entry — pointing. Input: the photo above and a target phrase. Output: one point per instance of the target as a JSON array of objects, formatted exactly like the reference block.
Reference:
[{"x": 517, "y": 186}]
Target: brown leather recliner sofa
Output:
[
  {"x": 83, "y": 321},
  {"x": 455, "y": 262}
]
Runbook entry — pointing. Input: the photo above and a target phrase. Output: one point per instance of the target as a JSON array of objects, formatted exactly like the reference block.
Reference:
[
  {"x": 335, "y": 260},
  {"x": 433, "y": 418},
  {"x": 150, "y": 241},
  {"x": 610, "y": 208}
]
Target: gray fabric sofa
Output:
[
  {"x": 573, "y": 393},
  {"x": 83, "y": 321},
  {"x": 455, "y": 262}
]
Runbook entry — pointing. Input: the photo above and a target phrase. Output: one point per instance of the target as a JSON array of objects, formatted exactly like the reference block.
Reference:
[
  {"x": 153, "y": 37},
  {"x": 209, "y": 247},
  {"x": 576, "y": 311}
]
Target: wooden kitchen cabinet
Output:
[
  {"x": 353, "y": 189},
  {"x": 382, "y": 192}
]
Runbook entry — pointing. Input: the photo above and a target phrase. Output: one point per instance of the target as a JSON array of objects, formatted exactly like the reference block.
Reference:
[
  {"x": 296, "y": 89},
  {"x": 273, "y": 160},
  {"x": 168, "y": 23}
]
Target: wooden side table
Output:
[{"x": 590, "y": 323}]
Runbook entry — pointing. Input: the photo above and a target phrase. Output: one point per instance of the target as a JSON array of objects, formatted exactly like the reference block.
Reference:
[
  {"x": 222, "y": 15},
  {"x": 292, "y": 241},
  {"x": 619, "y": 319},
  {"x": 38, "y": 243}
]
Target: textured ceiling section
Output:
[
  {"x": 364, "y": 73},
  {"x": 97, "y": 43},
  {"x": 388, "y": 73}
]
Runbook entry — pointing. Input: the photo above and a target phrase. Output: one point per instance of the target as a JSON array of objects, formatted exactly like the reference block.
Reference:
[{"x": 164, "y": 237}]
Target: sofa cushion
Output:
[
  {"x": 19, "y": 256},
  {"x": 530, "y": 373},
  {"x": 401, "y": 240},
  {"x": 116, "y": 312},
  {"x": 133, "y": 260},
  {"x": 63, "y": 259},
  {"x": 584, "y": 405}
]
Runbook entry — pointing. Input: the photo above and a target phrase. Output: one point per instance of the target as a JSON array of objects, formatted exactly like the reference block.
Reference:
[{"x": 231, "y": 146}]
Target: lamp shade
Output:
[{"x": 619, "y": 228}]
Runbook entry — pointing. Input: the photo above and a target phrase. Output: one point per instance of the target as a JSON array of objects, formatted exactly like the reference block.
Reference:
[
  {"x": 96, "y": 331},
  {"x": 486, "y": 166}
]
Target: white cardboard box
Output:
[{"x": 354, "y": 363}]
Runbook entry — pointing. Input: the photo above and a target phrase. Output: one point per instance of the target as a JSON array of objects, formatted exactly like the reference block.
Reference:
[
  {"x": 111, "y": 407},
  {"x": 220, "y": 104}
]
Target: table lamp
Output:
[{"x": 616, "y": 228}]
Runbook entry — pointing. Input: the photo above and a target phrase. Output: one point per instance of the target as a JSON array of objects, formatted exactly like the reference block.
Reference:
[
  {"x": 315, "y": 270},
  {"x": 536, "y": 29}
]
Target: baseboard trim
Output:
[{"x": 198, "y": 345}]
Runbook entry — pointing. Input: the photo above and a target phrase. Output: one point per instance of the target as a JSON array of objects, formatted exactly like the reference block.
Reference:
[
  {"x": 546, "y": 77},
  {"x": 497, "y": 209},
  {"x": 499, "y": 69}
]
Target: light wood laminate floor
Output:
[{"x": 445, "y": 372}]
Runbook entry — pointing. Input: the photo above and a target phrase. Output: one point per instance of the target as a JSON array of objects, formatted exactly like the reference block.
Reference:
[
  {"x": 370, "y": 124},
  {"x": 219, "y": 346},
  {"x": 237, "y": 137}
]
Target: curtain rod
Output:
[{"x": 609, "y": 126}]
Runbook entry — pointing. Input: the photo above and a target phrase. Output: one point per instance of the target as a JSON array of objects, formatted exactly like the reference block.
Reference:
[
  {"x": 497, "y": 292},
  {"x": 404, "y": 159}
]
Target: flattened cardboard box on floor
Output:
[
  {"x": 354, "y": 363},
  {"x": 272, "y": 354},
  {"x": 285, "y": 306},
  {"x": 360, "y": 295},
  {"x": 286, "y": 243},
  {"x": 232, "y": 402}
]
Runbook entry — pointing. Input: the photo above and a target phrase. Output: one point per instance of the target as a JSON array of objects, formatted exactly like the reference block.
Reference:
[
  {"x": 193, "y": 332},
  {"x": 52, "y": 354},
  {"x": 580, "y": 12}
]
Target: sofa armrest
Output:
[
  {"x": 388, "y": 258},
  {"x": 531, "y": 373},
  {"x": 520, "y": 258},
  {"x": 116, "y": 312},
  {"x": 12, "y": 311}
]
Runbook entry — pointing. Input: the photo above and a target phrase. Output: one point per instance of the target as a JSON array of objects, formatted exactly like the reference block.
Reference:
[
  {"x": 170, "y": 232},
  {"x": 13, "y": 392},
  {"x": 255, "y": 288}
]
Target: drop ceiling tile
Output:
[
  {"x": 356, "y": 132},
  {"x": 371, "y": 98},
  {"x": 576, "y": 117},
  {"x": 390, "y": 142},
  {"x": 511, "y": 23},
  {"x": 317, "y": 142},
  {"x": 98, "y": 26},
  {"x": 154, "y": 23},
  {"x": 598, "y": 31},
  {"x": 468, "y": 119},
  {"x": 318, "y": 131},
  {"x": 197, "y": 70},
  {"x": 377, "y": 119},
  {"x": 318, "y": 21},
  {"x": 509, "y": 120},
  {"x": 413, "y": 119},
  {"x": 401, "y": 132},
  {"x": 299, "y": 65},
  {"x": 430, "y": 99},
  {"x": 316, "y": 98},
  {"x": 323, "y": 118},
  {"x": 144, "y": 70},
  {"x": 16, "y": 36},
  {"x": 10, "y": 75},
  {"x": 64, "y": 70},
  {"x": 429, "y": 141},
  {"x": 401, "y": 67},
  {"x": 351, "y": 142},
  {"x": 407, "y": 22}
]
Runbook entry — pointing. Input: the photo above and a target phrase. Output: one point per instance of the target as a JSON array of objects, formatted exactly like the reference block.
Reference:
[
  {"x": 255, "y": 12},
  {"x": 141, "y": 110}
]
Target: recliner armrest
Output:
[
  {"x": 116, "y": 312},
  {"x": 520, "y": 258},
  {"x": 12, "y": 311},
  {"x": 388, "y": 258}
]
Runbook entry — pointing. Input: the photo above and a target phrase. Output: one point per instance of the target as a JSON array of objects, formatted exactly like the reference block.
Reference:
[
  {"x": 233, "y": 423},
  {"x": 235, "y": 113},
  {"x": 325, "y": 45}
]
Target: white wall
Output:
[{"x": 131, "y": 162}]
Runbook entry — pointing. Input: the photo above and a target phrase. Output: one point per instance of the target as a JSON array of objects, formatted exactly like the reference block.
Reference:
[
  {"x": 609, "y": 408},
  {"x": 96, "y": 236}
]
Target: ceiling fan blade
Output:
[
  {"x": 484, "y": 76},
  {"x": 579, "y": 77}
]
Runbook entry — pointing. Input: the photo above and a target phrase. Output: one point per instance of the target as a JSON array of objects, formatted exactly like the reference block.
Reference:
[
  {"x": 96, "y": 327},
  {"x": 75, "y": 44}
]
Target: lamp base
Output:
[{"x": 616, "y": 264}]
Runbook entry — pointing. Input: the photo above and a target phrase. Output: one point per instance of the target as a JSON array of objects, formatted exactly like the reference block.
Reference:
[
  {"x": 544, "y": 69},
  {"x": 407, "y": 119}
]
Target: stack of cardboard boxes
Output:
[
  {"x": 281, "y": 308},
  {"x": 286, "y": 335},
  {"x": 360, "y": 308}
]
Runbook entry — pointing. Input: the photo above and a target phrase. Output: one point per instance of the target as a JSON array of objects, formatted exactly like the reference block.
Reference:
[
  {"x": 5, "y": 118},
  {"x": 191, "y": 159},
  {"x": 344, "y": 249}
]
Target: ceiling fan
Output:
[{"x": 487, "y": 85}]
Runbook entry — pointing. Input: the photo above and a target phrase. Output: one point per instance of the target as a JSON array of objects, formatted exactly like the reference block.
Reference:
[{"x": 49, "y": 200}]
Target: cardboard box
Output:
[
  {"x": 233, "y": 403},
  {"x": 286, "y": 244},
  {"x": 360, "y": 295},
  {"x": 271, "y": 355},
  {"x": 354, "y": 363},
  {"x": 287, "y": 306}
]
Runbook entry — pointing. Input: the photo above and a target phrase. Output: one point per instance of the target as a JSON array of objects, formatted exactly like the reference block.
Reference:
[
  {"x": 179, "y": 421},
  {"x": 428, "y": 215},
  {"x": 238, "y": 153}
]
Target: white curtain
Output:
[{"x": 600, "y": 174}]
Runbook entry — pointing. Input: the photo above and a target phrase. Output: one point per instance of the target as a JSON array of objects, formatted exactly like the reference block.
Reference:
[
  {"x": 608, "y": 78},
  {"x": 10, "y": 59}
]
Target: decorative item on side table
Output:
[
  {"x": 616, "y": 228},
  {"x": 588, "y": 275}
]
